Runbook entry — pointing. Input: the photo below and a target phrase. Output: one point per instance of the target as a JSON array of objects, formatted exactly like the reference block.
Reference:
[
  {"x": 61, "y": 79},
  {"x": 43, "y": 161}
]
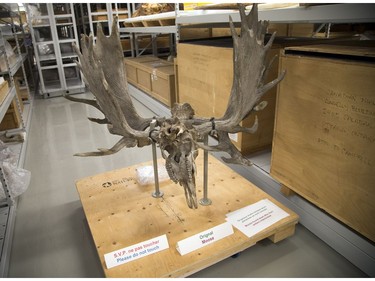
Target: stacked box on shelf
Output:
[
  {"x": 324, "y": 139},
  {"x": 100, "y": 17},
  {"x": 20, "y": 84},
  {"x": 154, "y": 76},
  {"x": 4, "y": 90},
  {"x": 12, "y": 118}
]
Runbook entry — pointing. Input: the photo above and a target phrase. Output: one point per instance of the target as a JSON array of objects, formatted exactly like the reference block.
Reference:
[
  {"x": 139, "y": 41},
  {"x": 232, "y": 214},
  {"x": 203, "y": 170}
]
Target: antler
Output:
[
  {"x": 250, "y": 72},
  {"x": 178, "y": 137},
  {"x": 103, "y": 69}
]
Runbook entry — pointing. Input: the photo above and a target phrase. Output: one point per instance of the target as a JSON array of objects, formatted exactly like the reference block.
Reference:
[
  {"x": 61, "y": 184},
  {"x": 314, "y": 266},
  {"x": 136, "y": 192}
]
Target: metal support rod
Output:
[
  {"x": 205, "y": 201},
  {"x": 157, "y": 193}
]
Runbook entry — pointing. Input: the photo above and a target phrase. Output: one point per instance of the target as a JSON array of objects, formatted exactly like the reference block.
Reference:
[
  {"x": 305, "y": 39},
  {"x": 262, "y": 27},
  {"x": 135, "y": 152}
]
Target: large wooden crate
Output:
[
  {"x": 205, "y": 74},
  {"x": 324, "y": 139},
  {"x": 154, "y": 76}
]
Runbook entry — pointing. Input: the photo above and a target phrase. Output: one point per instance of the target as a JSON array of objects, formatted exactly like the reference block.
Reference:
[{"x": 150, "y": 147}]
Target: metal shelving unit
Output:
[
  {"x": 12, "y": 31},
  {"x": 53, "y": 30},
  {"x": 335, "y": 13},
  {"x": 89, "y": 15},
  {"x": 340, "y": 237},
  {"x": 153, "y": 32}
]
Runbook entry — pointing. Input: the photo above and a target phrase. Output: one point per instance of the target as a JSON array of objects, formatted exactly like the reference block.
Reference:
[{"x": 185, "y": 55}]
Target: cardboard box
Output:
[
  {"x": 154, "y": 76},
  {"x": 324, "y": 139},
  {"x": 205, "y": 74}
]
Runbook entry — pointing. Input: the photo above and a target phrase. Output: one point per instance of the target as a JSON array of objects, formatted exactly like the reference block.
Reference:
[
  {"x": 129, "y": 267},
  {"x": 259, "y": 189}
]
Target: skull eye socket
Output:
[{"x": 177, "y": 157}]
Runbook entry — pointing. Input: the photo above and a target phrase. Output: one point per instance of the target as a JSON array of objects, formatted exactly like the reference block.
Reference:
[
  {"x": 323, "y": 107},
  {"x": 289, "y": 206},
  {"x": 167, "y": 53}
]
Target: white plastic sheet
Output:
[{"x": 17, "y": 179}]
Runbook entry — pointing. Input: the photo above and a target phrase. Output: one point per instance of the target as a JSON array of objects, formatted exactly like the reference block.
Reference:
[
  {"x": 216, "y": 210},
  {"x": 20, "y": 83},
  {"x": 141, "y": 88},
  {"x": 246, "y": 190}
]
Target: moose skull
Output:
[
  {"x": 179, "y": 136},
  {"x": 179, "y": 149}
]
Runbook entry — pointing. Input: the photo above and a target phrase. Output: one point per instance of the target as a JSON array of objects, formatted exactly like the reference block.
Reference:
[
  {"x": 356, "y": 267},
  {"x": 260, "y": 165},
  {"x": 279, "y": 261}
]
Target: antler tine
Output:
[
  {"x": 233, "y": 30},
  {"x": 104, "y": 72},
  {"x": 246, "y": 23}
]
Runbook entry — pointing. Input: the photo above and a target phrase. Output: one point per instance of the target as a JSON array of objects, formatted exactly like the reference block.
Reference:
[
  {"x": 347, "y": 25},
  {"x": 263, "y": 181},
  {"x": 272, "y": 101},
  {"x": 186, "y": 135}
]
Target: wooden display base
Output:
[{"x": 121, "y": 213}]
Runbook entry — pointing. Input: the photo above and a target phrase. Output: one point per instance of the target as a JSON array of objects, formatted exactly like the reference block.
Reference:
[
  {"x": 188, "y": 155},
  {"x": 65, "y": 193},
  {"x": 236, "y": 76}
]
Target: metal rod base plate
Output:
[
  {"x": 157, "y": 194},
  {"x": 205, "y": 202}
]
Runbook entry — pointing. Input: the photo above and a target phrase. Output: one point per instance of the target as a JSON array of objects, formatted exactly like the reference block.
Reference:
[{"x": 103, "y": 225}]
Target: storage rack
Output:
[
  {"x": 53, "y": 32},
  {"x": 335, "y": 13},
  {"x": 153, "y": 32},
  {"x": 8, "y": 14},
  {"x": 345, "y": 241},
  {"x": 89, "y": 15}
]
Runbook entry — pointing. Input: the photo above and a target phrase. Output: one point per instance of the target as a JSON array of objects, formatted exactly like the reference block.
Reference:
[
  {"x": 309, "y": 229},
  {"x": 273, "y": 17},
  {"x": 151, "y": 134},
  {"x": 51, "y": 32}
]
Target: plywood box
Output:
[
  {"x": 205, "y": 74},
  {"x": 100, "y": 17},
  {"x": 154, "y": 76},
  {"x": 19, "y": 83},
  {"x": 4, "y": 90},
  {"x": 324, "y": 139},
  {"x": 131, "y": 65},
  {"x": 12, "y": 119}
]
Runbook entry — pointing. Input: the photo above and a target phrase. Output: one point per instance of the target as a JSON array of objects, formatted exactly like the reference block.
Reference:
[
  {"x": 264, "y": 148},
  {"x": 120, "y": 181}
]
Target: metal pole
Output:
[
  {"x": 205, "y": 201},
  {"x": 157, "y": 193}
]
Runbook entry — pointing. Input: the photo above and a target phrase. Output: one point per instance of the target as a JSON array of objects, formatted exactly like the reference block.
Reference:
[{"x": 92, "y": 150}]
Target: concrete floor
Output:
[{"x": 51, "y": 236}]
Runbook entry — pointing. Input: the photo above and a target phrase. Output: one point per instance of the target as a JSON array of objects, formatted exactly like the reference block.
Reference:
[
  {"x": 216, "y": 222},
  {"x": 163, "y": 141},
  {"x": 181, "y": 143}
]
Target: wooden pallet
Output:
[{"x": 121, "y": 213}]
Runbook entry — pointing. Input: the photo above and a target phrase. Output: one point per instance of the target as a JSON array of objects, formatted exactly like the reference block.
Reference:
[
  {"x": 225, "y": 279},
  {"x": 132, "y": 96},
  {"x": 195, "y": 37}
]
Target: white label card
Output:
[
  {"x": 204, "y": 238},
  {"x": 256, "y": 217},
  {"x": 136, "y": 251}
]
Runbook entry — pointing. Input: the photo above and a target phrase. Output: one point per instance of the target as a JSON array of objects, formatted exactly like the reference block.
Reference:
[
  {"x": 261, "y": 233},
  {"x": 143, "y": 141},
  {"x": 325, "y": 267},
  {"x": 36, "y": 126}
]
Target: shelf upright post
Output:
[
  {"x": 26, "y": 56},
  {"x": 3, "y": 181}
]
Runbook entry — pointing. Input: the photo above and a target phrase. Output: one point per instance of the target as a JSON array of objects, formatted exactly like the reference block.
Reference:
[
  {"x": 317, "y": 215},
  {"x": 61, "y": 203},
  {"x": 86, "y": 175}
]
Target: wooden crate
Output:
[
  {"x": 126, "y": 44},
  {"x": 12, "y": 118},
  {"x": 100, "y": 17},
  {"x": 324, "y": 139},
  {"x": 131, "y": 65},
  {"x": 4, "y": 90},
  {"x": 194, "y": 33},
  {"x": 162, "y": 41},
  {"x": 154, "y": 76},
  {"x": 292, "y": 29},
  {"x": 205, "y": 74},
  {"x": 121, "y": 213},
  {"x": 21, "y": 90}
]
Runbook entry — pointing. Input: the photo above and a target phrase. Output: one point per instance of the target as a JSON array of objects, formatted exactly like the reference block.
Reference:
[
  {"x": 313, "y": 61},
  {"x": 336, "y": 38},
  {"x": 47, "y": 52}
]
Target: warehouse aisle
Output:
[{"x": 52, "y": 239}]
